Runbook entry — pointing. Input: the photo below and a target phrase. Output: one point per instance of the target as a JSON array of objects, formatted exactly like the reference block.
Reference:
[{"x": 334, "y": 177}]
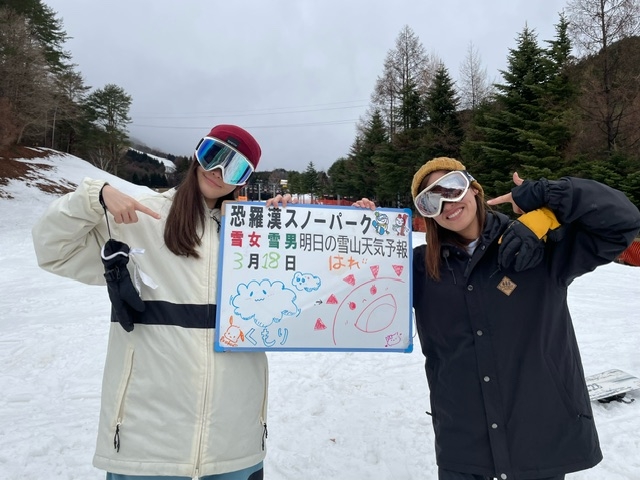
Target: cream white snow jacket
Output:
[{"x": 175, "y": 406}]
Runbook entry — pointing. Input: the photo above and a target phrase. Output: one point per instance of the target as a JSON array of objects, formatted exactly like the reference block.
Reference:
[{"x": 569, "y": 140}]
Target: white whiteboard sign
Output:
[{"x": 314, "y": 277}]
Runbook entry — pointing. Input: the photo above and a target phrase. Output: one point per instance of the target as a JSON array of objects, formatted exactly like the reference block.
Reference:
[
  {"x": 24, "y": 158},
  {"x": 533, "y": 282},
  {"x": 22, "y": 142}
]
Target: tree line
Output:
[
  {"x": 569, "y": 105},
  {"x": 44, "y": 100}
]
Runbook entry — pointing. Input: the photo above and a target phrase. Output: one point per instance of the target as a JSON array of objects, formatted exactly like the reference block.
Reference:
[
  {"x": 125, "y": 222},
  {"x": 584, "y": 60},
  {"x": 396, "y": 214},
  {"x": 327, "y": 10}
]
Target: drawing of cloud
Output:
[
  {"x": 264, "y": 302},
  {"x": 306, "y": 281}
]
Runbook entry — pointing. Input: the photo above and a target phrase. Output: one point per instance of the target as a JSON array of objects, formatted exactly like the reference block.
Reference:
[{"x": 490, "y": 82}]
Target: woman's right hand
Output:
[
  {"x": 123, "y": 207},
  {"x": 365, "y": 203},
  {"x": 284, "y": 199}
]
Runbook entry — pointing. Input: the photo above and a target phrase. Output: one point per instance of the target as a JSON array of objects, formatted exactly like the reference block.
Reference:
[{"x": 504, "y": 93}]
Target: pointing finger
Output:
[
  {"x": 141, "y": 208},
  {"x": 501, "y": 199}
]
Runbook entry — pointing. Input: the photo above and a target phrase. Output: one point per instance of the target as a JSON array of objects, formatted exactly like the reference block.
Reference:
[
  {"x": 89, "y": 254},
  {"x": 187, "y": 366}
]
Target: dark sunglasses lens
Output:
[{"x": 211, "y": 153}]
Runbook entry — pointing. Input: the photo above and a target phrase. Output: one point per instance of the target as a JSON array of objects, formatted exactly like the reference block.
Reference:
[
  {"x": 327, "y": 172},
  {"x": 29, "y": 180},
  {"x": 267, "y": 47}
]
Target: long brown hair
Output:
[
  {"x": 185, "y": 222},
  {"x": 437, "y": 235}
]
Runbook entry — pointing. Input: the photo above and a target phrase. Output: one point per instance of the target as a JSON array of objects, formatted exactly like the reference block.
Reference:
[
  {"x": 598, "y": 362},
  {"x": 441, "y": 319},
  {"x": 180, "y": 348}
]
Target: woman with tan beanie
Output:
[{"x": 507, "y": 389}]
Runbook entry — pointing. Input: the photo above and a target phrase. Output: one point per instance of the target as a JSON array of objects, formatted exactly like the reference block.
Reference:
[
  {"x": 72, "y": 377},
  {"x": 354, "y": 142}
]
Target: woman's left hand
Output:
[{"x": 508, "y": 198}]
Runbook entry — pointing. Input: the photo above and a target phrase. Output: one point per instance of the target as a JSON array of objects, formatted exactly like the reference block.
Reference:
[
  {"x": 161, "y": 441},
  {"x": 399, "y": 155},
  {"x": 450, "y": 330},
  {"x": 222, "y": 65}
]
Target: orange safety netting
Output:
[{"x": 631, "y": 256}]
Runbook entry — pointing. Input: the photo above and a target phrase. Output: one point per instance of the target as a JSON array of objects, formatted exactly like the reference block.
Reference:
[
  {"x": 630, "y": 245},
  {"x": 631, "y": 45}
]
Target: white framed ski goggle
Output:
[
  {"x": 213, "y": 153},
  {"x": 451, "y": 187}
]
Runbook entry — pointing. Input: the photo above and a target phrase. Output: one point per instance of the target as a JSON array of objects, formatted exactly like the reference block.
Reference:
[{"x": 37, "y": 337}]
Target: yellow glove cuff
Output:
[{"x": 540, "y": 221}]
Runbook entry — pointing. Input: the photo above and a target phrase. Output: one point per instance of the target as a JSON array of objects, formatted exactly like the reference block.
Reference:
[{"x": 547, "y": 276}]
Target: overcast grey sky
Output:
[{"x": 297, "y": 74}]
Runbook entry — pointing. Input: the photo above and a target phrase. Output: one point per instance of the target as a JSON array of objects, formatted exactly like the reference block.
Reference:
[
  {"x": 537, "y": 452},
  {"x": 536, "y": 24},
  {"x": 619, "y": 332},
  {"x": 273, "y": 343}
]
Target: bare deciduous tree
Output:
[
  {"x": 596, "y": 25},
  {"x": 431, "y": 66},
  {"x": 474, "y": 87},
  {"x": 25, "y": 80},
  {"x": 405, "y": 64},
  {"x": 101, "y": 158},
  {"x": 70, "y": 94}
]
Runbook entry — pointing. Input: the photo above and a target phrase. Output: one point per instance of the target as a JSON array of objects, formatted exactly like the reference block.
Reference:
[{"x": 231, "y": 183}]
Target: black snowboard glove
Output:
[
  {"x": 125, "y": 300},
  {"x": 522, "y": 244}
]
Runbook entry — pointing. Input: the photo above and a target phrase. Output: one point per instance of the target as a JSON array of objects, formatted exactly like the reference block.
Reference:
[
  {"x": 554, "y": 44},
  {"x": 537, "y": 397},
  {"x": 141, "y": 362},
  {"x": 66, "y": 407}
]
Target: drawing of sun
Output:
[{"x": 369, "y": 309}]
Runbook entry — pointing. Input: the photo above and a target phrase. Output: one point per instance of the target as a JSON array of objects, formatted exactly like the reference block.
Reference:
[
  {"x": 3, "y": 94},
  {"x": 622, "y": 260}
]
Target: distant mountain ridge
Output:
[{"x": 169, "y": 166}]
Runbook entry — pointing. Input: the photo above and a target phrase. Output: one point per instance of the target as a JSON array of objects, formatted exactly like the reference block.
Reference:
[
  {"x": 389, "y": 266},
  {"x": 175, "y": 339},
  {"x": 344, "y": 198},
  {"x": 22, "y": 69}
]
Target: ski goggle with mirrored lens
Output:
[
  {"x": 451, "y": 187},
  {"x": 213, "y": 153}
]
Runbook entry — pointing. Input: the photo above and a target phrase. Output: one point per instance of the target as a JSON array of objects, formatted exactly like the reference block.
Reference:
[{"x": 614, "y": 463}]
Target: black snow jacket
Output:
[{"x": 507, "y": 387}]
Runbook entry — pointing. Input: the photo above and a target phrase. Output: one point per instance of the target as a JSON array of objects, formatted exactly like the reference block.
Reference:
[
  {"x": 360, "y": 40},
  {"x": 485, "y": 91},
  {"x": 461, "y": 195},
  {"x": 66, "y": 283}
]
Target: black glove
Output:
[
  {"x": 521, "y": 247},
  {"x": 125, "y": 300},
  {"x": 523, "y": 242}
]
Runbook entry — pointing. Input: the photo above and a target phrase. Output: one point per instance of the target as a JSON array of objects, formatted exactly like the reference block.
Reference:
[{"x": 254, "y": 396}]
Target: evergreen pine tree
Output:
[
  {"x": 443, "y": 128},
  {"x": 549, "y": 136},
  {"x": 518, "y": 111},
  {"x": 310, "y": 180},
  {"x": 46, "y": 29},
  {"x": 374, "y": 138}
]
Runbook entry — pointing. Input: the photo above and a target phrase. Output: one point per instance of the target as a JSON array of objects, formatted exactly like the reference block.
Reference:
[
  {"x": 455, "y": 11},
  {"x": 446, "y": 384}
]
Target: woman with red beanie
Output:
[{"x": 171, "y": 408}]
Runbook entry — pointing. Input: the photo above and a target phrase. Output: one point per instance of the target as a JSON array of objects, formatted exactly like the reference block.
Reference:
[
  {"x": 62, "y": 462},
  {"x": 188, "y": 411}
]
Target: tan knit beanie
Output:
[{"x": 439, "y": 163}]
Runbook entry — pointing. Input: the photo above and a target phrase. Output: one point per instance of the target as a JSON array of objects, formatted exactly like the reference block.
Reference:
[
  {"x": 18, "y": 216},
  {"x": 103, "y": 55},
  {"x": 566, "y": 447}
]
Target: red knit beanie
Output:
[{"x": 239, "y": 139}]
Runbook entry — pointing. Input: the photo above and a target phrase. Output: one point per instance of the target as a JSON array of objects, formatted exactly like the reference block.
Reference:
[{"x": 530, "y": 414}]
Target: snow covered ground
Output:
[{"x": 341, "y": 416}]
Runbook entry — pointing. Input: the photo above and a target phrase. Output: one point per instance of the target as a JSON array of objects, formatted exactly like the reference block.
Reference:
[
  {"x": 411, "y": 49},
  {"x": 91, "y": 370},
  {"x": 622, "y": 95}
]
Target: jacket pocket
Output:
[
  {"x": 432, "y": 368},
  {"x": 263, "y": 413},
  {"x": 568, "y": 388},
  {"x": 122, "y": 391}
]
